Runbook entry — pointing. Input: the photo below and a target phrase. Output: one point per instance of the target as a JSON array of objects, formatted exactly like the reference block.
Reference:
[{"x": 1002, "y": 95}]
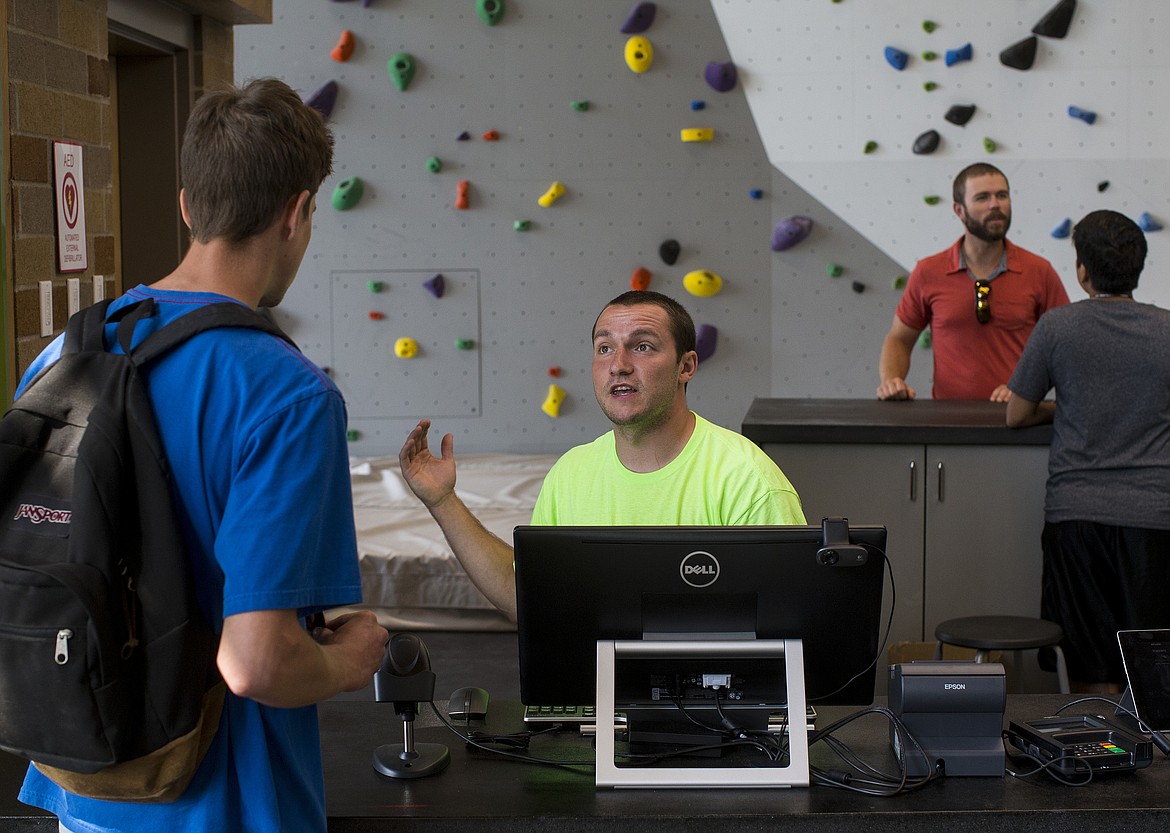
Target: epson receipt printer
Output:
[{"x": 955, "y": 712}]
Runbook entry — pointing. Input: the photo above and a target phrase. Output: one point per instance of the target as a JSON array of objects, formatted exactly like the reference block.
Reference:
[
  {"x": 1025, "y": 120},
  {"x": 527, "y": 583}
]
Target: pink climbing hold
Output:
[{"x": 790, "y": 231}]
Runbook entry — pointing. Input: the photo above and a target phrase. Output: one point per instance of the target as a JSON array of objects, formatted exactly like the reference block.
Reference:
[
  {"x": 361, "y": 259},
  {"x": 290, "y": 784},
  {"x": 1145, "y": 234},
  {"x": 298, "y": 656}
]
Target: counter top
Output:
[{"x": 918, "y": 421}]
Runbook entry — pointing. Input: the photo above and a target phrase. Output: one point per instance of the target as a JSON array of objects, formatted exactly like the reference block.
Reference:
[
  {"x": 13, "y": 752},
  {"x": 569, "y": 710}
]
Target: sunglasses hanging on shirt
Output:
[{"x": 983, "y": 301}]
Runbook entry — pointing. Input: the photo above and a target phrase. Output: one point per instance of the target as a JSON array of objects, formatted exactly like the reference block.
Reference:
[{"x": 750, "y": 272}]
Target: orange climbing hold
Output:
[
  {"x": 462, "y": 201},
  {"x": 344, "y": 49},
  {"x": 640, "y": 280}
]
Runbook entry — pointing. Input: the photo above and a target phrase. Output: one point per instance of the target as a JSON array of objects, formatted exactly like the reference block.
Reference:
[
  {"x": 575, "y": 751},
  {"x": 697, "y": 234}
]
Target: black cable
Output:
[
  {"x": 481, "y": 744},
  {"x": 867, "y": 779}
]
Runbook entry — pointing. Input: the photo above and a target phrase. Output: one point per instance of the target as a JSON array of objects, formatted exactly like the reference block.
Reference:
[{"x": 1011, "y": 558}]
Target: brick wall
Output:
[{"x": 59, "y": 89}]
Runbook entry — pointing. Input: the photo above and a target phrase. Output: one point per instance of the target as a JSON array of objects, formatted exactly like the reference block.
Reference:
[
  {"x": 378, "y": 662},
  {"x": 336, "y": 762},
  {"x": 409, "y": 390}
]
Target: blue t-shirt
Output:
[{"x": 255, "y": 437}]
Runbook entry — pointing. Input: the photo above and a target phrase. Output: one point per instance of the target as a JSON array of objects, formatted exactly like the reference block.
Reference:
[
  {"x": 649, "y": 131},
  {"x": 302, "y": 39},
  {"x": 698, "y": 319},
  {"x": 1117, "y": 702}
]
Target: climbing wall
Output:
[
  {"x": 546, "y": 95},
  {"x": 1065, "y": 97}
]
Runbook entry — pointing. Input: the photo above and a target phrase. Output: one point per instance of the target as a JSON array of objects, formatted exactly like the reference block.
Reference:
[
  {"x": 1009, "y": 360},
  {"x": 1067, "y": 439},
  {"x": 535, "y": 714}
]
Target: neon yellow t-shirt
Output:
[{"x": 719, "y": 479}]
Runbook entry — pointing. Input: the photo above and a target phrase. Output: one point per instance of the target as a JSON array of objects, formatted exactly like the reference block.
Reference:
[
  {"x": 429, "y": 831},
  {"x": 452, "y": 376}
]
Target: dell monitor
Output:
[{"x": 577, "y": 586}]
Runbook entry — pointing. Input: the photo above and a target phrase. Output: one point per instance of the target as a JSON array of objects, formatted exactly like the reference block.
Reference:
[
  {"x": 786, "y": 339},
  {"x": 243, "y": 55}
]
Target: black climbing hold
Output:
[
  {"x": 1020, "y": 55},
  {"x": 858, "y": 287},
  {"x": 669, "y": 251},
  {"x": 960, "y": 114},
  {"x": 926, "y": 143},
  {"x": 1102, "y": 185},
  {"x": 1055, "y": 24}
]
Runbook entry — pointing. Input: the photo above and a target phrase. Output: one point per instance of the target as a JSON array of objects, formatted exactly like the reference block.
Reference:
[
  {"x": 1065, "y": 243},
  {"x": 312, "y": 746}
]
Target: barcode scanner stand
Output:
[{"x": 405, "y": 679}]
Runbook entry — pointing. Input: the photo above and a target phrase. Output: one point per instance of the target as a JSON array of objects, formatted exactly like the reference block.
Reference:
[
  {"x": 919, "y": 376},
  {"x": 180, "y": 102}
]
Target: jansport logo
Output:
[
  {"x": 42, "y": 514},
  {"x": 699, "y": 569}
]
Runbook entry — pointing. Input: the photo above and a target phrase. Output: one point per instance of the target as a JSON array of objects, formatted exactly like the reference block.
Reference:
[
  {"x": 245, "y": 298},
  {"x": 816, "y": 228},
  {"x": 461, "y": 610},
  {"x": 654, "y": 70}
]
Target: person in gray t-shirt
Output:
[{"x": 1106, "y": 539}]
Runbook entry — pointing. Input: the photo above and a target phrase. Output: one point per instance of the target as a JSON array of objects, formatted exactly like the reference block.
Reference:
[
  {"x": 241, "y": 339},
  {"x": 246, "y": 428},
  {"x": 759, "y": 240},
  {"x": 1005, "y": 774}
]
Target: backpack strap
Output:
[
  {"x": 85, "y": 328},
  {"x": 201, "y": 319}
]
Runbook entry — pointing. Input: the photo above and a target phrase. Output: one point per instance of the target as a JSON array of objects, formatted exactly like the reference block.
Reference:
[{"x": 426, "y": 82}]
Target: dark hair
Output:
[
  {"x": 682, "y": 327},
  {"x": 246, "y": 151},
  {"x": 1112, "y": 248},
  {"x": 978, "y": 169}
]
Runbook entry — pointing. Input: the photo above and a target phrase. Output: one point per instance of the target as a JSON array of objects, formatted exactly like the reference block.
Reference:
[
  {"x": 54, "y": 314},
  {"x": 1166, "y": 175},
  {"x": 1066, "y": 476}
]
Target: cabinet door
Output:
[
  {"x": 869, "y": 484},
  {"x": 984, "y": 515}
]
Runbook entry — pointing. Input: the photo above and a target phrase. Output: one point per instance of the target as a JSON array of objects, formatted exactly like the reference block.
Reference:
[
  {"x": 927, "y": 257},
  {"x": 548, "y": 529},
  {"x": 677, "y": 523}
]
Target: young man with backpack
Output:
[{"x": 254, "y": 435}]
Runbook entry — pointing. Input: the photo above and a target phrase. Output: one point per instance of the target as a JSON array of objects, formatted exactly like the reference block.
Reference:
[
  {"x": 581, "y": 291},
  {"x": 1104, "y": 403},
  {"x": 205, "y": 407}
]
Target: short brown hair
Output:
[
  {"x": 682, "y": 326},
  {"x": 246, "y": 151},
  {"x": 978, "y": 169}
]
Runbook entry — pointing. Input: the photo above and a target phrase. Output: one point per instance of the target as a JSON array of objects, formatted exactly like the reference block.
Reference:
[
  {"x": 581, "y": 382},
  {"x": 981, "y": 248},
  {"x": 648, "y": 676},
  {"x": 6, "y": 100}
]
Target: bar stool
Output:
[{"x": 1003, "y": 633}]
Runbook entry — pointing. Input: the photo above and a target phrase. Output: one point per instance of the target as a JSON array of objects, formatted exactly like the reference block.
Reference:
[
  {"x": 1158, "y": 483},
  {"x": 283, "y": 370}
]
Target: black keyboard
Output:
[{"x": 560, "y": 714}]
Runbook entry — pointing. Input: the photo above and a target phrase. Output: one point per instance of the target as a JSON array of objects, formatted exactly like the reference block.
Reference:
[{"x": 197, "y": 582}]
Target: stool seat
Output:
[
  {"x": 1003, "y": 633},
  {"x": 999, "y": 633}
]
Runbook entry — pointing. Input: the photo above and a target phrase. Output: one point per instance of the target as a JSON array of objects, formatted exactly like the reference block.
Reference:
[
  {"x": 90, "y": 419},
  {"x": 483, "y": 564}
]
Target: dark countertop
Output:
[
  {"x": 918, "y": 422},
  {"x": 482, "y": 793}
]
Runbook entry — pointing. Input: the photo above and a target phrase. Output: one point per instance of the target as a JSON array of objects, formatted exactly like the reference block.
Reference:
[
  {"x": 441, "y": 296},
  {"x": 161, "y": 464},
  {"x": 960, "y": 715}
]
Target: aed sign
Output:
[{"x": 72, "y": 251}]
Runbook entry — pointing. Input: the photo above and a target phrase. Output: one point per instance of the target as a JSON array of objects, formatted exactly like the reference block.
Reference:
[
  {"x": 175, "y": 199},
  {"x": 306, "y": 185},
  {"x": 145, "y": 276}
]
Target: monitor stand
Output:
[{"x": 796, "y": 774}]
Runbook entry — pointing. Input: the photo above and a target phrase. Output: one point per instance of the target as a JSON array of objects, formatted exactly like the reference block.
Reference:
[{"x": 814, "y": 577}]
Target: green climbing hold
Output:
[
  {"x": 374, "y": 286},
  {"x": 834, "y": 270},
  {"x": 490, "y": 11},
  {"x": 989, "y": 144},
  {"x": 870, "y": 146},
  {"x": 579, "y": 106},
  {"x": 929, "y": 56},
  {"x": 401, "y": 68},
  {"x": 924, "y": 340},
  {"x": 930, "y": 86},
  {"x": 352, "y": 434},
  {"x": 899, "y": 282},
  {"x": 434, "y": 165},
  {"x": 464, "y": 343},
  {"x": 932, "y": 199},
  {"x": 522, "y": 225},
  {"x": 348, "y": 193},
  {"x": 929, "y": 26}
]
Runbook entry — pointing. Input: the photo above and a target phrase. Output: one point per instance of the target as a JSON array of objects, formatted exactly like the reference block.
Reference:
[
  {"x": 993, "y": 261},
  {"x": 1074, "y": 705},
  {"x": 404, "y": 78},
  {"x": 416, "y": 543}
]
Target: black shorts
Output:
[{"x": 1099, "y": 579}]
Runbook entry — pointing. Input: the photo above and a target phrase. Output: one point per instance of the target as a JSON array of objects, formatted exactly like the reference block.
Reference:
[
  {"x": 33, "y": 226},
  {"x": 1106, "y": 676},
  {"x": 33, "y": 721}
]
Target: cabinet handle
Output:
[
  {"x": 913, "y": 481},
  {"x": 940, "y": 482}
]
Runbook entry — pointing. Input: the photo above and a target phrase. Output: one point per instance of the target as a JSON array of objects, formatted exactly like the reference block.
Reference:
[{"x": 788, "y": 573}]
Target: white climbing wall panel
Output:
[{"x": 820, "y": 88}]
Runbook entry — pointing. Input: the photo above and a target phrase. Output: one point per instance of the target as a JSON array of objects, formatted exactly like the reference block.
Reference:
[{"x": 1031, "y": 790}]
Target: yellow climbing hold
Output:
[
  {"x": 554, "y": 192},
  {"x": 639, "y": 54},
  {"x": 702, "y": 283},
  {"x": 698, "y": 134},
  {"x": 406, "y": 348},
  {"x": 552, "y": 402}
]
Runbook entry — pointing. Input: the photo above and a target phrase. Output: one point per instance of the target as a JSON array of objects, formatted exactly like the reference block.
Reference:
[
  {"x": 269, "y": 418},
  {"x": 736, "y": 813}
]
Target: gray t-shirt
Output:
[{"x": 1110, "y": 364}]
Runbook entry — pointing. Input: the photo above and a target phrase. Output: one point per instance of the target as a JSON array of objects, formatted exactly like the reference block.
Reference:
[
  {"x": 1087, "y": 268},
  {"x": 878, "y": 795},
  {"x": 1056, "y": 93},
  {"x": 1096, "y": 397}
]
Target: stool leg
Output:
[
  {"x": 1061, "y": 670},
  {"x": 981, "y": 655},
  {"x": 938, "y": 650}
]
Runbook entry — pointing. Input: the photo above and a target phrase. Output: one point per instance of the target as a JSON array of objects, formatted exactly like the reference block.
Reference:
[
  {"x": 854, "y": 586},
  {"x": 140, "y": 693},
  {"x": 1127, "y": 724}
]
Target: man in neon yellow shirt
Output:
[{"x": 661, "y": 465}]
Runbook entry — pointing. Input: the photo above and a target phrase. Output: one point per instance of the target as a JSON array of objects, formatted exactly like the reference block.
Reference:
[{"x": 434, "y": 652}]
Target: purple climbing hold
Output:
[
  {"x": 639, "y": 18},
  {"x": 721, "y": 76},
  {"x": 790, "y": 231},
  {"x": 1063, "y": 230},
  {"x": 436, "y": 286},
  {"x": 1087, "y": 116},
  {"x": 897, "y": 58},
  {"x": 463, "y": 137},
  {"x": 1055, "y": 24},
  {"x": 956, "y": 56},
  {"x": 1020, "y": 55},
  {"x": 669, "y": 251},
  {"x": 323, "y": 100},
  {"x": 960, "y": 114},
  {"x": 705, "y": 337},
  {"x": 926, "y": 143}
]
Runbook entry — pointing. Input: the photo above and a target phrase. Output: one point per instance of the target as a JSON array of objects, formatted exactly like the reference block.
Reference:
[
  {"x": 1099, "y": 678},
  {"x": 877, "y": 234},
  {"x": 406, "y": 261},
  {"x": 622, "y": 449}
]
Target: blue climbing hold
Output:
[
  {"x": 1087, "y": 116},
  {"x": 897, "y": 58},
  {"x": 721, "y": 76},
  {"x": 705, "y": 338},
  {"x": 436, "y": 286},
  {"x": 790, "y": 231},
  {"x": 1063, "y": 230},
  {"x": 756, "y": 193},
  {"x": 1148, "y": 223},
  {"x": 698, "y": 105},
  {"x": 639, "y": 18},
  {"x": 323, "y": 100},
  {"x": 963, "y": 53}
]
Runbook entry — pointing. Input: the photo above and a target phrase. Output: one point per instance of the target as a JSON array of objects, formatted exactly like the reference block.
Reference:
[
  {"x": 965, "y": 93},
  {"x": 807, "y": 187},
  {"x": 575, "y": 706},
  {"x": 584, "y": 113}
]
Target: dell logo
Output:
[
  {"x": 699, "y": 569},
  {"x": 954, "y": 686}
]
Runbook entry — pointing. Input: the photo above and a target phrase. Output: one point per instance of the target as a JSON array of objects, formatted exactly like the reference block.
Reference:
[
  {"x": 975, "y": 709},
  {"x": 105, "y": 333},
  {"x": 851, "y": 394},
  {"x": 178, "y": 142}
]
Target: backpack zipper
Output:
[{"x": 61, "y": 654}]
